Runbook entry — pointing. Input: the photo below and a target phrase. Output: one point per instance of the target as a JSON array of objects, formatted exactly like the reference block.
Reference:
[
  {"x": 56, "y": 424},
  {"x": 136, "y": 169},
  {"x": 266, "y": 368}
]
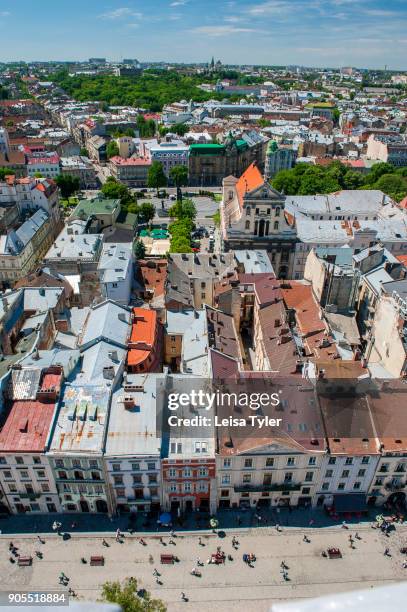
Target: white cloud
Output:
[
  {"x": 179, "y": 3},
  {"x": 121, "y": 13},
  {"x": 221, "y": 30},
  {"x": 272, "y": 7},
  {"x": 4, "y": 13}
]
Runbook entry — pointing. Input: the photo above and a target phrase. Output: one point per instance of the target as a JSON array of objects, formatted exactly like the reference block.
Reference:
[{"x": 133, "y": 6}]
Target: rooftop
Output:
[{"x": 27, "y": 427}]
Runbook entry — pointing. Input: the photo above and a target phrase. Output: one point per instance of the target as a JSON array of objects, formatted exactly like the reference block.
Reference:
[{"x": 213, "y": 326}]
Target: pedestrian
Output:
[
  {"x": 104, "y": 543},
  {"x": 172, "y": 533},
  {"x": 198, "y": 561},
  {"x": 118, "y": 535},
  {"x": 183, "y": 596},
  {"x": 155, "y": 572},
  {"x": 386, "y": 552},
  {"x": 11, "y": 546},
  {"x": 357, "y": 536},
  {"x": 39, "y": 539},
  {"x": 344, "y": 525},
  {"x": 311, "y": 522}
]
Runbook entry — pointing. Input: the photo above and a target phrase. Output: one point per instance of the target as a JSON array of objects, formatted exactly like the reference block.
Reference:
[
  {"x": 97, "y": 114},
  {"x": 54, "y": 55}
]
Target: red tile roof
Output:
[
  {"x": 250, "y": 180},
  {"x": 27, "y": 426},
  {"x": 143, "y": 335}
]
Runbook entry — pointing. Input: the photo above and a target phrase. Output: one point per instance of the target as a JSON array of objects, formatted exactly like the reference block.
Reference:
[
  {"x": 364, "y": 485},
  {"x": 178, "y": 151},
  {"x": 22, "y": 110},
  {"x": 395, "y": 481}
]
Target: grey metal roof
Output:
[
  {"x": 179, "y": 322},
  {"x": 254, "y": 260},
  {"x": 133, "y": 430},
  {"x": 108, "y": 321},
  {"x": 194, "y": 358}
]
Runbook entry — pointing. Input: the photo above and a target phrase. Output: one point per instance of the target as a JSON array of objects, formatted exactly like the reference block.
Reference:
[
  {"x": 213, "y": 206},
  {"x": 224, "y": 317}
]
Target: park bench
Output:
[
  {"x": 97, "y": 560},
  {"x": 334, "y": 553},
  {"x": 24, "y": 561},
  {"x": 166, "y": 559}
]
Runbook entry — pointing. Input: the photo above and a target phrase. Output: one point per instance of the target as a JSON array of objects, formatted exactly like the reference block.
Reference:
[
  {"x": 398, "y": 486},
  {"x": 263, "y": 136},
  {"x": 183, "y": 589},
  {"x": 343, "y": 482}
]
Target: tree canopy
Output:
[
  {"x": 130, "y": 598},
  {"x": 305, "y": 179},
  {"x": 68, "y": 184},
  {"x": 112, "y": 149},
  {"x": 179, "y": 175},
  {"x": 139, "y": 249},
  {"x": 156, "y": 177}
]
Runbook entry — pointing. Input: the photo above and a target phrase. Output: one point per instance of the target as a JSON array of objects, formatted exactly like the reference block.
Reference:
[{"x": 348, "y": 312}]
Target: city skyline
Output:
[{"x": 333, "y": 33}]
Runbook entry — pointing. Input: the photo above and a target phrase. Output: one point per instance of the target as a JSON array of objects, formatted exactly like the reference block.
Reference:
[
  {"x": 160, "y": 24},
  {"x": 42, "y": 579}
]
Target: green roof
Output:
[
  {"x": 206, "y": 149},
  {"x": 241, "y": 144},
  {"x": 95, "y": 206}
]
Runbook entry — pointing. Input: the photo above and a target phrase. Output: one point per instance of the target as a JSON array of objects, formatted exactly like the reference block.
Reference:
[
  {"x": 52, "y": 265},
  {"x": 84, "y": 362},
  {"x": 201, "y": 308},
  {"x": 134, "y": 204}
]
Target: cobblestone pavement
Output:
[{"x": 233, "y": 586}]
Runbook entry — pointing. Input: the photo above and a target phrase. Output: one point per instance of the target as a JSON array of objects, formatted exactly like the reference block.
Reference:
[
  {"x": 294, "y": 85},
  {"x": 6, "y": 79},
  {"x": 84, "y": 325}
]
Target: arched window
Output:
[
  {"x": 247, "y": 225},
  {"x": 276, "y": 225},
  {"x": 277, "y": 211}
]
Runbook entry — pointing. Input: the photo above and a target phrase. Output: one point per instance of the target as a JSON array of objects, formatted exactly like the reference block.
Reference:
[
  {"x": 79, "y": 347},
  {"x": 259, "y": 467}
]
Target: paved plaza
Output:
[{"x": 233, "y": 586}]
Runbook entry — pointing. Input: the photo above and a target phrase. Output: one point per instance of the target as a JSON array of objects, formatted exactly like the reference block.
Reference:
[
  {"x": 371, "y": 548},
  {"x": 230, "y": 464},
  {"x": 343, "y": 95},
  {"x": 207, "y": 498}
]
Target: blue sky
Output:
[{"x": 365, "y": 33}]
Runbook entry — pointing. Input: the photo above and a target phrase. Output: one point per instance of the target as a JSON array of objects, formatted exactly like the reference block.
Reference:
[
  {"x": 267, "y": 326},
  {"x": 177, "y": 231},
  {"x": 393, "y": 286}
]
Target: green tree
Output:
[
  {"x": 147, "y": 211},
  {"x": 126, "y": 595},
  {"x": 179, "y": 176},
  {"x": 377, "y": 170},
  {"x": 393, "y": 185},
  {"x": 286, "y": 181},
  {"x": 156, "y": 177},
  {"x": 68, "y": 184},
  {"x": 352, "y": 179},
  {"x": 184, "y": 209},
  {"x": 84, "y": 152},
  {"x": 115, "y": 190},
  {"x": 112, "y": 149},
  {"x": 139, "y": 249},
  {"x": 5, "y": 172}
]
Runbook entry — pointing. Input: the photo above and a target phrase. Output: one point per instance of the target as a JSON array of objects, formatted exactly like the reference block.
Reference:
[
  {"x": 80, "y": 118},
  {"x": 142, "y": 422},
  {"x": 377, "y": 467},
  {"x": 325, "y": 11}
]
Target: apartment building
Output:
[
  {"x": 133, "y": 444},
  {"x": 26, "y": 476},
  {"x": 132, "y": 171}
]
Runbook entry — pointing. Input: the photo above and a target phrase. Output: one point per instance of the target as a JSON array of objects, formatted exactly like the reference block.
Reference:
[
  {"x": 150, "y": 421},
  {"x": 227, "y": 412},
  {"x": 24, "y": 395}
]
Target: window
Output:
[
  {"x": 247, "y": 225},
  {"x": 116, "y": 467},
  {"x": 290, "y": 461},
  {"x": 247, "y": 210},
  {"x": 201, "y": 447},
  {"x": 248, "y": 463},
  {"x": 7, "y": 474},
  {"x": 137, "y": 479},
  {"x": 349, "y": 461},
  {"x": 41, "y": 474},
  {"x": 203, "y": 487},
  {"x": 345, "y": 474},
  {"x": 78, "y": 475},
  {"x": 45, "y": 487},
  {"x": 288, "y": 477},
  {"x": 172, "y": 473},
  {"x": 378, "y": 482},
  {"x": 76, "y": 463},
  {"x": 325, "y": 486},
  {"x": 36, "y": 460},
  {"x": 341, "y": 486},
  {"x": 203, "y": 285},
  {"x": 312, "y": 461},
  {"x": 309, "y": 476},
  {"x": 151, "y": 465},
  {"x": 187, "y": 472},
  {"x": 120, "y": 492},
  {"x": 3, "y": 461},
  {"x": 118, "y": 480},
  {"x": 225, "y": 479},
  {"x": 59, "y": 463},
  {"x": 114, "y": 285},
  {"x": 62, "y": 475},
  {"x": 224, "y": 493},
  {"x": 135, "y": 467},
  {"x": 187, "y": 487},
  {"x": 277, "y": 211},
  {"x": 173, "y": 487},
  {"x": 203, "y": 296},
  {"x": 12, "y": 488},
  {"x": 328, "y": 474},
  {"x": 361, "y": 473},
  {"x": 332, "y": 460},
  {"x": 276, "y": 225},
  {"x": 19, "y": 461},
  {"x": 35, "y": 507},
  {"x": 227, "y": 463},
  {"x": 152, "y": 478},
  {"x": 93, "y": 463},
  {"x": 247, "y": 478},
  {"x": 356, "y": 485},
  {"x": 365, "y": 459},
  {"x": 29, "y": 488},
  {"x": 176, "y": 447},
  {"x": 24, "y": 474},
  {"x": 202, "y": 471}
]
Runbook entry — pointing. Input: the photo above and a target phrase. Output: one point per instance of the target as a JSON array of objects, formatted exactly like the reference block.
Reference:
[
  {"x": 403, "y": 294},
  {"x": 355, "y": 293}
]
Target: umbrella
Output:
[
  {"x": 165, "y": 518},
  {"x": 213, "y": 523}
]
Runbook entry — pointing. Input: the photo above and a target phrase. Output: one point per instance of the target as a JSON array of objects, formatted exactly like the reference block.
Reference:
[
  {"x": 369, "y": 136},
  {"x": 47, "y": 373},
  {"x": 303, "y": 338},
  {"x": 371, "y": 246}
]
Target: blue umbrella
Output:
[{"x": 165, "y": 518}]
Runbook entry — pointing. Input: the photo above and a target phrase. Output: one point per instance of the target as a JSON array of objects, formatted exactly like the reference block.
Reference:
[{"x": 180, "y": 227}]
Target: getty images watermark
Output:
[{"x": 214, "y": 402}]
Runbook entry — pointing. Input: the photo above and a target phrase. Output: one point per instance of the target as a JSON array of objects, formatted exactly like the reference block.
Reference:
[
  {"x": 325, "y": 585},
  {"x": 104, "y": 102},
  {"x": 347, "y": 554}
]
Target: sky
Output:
[{"x": 334, "y": 33}]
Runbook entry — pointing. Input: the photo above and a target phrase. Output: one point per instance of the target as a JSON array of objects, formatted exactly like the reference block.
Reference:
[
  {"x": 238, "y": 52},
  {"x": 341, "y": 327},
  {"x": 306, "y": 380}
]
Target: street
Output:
[{"x": 234, "y": 586}]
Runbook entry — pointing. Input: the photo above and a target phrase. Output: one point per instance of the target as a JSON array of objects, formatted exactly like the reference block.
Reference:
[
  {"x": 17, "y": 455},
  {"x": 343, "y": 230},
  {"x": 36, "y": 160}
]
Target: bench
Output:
[
  {"x": 97, "y": 560},
  {"x": 24, "y": 561},
  {"x": 334, "y": 553},
  {"x": 166, "y": 559}
]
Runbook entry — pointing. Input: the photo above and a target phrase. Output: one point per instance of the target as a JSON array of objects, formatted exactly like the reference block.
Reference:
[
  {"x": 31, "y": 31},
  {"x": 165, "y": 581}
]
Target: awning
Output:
[{"x": 350, "y": 502}]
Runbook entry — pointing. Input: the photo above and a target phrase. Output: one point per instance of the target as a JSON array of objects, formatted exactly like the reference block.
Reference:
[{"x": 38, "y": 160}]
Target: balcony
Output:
[
  {"x": 29, "y": 496},
  {"x": 394, "y": 486},
  {"x": 263, "y": 488}
]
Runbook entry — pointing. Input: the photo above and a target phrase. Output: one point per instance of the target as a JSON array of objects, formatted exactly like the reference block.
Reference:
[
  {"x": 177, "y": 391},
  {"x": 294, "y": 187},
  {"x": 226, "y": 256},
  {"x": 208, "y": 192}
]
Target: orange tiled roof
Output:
[
  {"x": 142, "y": 336},
  {"x": 250, "y": 179}
]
